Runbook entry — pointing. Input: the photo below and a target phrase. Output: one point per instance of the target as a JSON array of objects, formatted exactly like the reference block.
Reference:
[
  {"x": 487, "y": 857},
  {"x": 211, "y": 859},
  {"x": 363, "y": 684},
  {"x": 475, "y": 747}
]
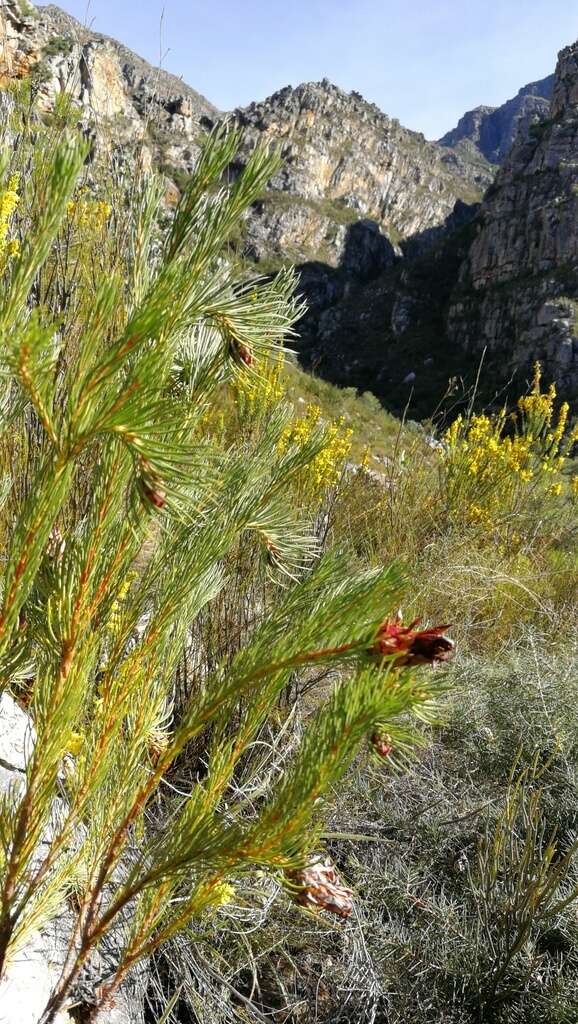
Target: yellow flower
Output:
[
  {"x": 9, "y": 199},
  {"x": 326, "y": 467},
  {"x": 89, "y": 214},
  {"x": 222, "y": 893},
  {"x": 487, "y": 458},
  {"x": 561, "y": 424},
  {"x": 261, "y": 391},
  {"x": 75, "y": 743},
  {"x": 115, "y": 617},
  {"x": 478, "y": 516}
]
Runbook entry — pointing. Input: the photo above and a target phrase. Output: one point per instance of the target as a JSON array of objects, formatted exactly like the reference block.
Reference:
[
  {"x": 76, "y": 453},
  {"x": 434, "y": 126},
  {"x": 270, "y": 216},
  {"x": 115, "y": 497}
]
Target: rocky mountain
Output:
[
  {"x": 346, "y": 162},
  {"x": 501, "y": 280},
  {"x": 517, "y": 293},
  {"x": 491, "y": 131},
  {"x": 406, "y": 277},
  {"x": 121, "y": 97}
]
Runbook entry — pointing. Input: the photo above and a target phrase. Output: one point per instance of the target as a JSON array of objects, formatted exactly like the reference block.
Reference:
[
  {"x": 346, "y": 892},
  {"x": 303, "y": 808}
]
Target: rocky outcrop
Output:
[
  {"x": 121, "y": 98},
  {"x": 517, "y": 294},
  {"x": 491, "y": 131},
  {"x": 344, "y": 161},
  {"x": 359, "y": 199},
  {"x": 387, "y": 334}
]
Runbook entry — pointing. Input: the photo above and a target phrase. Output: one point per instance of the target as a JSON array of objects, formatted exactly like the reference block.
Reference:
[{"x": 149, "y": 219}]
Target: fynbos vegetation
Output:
[
  {"x": 247, "y": 794},
  {"x": 125, "y": 513}
]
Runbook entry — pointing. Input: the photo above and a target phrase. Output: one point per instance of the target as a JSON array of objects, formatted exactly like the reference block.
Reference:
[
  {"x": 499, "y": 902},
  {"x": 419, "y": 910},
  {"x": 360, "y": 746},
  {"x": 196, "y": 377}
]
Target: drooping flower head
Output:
[
  {"x": 382, "y": 744},
  {"x": 412, "y": 646},
  {"x": 321, "y": 889}
]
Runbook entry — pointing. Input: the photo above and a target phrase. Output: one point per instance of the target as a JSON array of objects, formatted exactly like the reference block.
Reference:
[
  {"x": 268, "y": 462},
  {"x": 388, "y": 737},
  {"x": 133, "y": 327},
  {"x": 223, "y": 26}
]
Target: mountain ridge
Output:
[
  {"x": 167, "y": 81},
  {"x": 493, "y": 130},
  {"x": 344, "y": 160},
  {"x": 357, "y": 202}
]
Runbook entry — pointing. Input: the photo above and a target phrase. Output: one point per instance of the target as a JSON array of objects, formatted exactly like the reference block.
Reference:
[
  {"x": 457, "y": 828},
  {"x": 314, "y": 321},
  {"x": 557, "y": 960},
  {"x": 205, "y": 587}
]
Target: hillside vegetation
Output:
[{"x": 301, "y": 676}]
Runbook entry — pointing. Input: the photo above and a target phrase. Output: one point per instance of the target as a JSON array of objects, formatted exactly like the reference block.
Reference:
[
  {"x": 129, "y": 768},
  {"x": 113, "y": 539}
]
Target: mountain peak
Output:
[
  {"x": 54, "y": 42},
  {"x": 492, "y": 130},
  {"x": 315, "y": 94},
  {"x": 565, "y": 92}
]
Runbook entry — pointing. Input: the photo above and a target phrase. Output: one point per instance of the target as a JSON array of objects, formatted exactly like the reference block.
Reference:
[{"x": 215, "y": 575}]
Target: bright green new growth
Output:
[{"x": 118, "y": 538}]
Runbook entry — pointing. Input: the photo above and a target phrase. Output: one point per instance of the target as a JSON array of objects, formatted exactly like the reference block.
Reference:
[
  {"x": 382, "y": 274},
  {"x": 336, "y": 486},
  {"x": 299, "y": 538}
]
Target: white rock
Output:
[
  {"x": 16, "y": 734},
  {"x": 35, "y": 968}
]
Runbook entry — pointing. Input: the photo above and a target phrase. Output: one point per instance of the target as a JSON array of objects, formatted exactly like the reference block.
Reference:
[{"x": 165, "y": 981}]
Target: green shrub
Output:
[
  {"x": 201, "y": 682},
  {"x": 122, "y": 518},
  {"x": 58, "y": 46}
]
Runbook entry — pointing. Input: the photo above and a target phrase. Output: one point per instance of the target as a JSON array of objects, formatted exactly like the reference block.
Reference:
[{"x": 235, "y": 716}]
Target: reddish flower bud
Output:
[
  {"x": 412, "y": 646},
  {"x": 241, "y": 353},
  {"x": 382, "y": 744},
  {"x": 320, "y": 888},
  {"x": 150, "y": 485},
  {"x": 156, "y": 497}
]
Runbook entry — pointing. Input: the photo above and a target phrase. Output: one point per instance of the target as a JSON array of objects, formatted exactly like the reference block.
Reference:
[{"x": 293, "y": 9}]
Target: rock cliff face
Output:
[
  {"x": 121, "y": 97},
  {"x": 517, "y": 293},
  {"x": 345, "y": 161},
  {"x": 491, "y": 131},
  {"x": 360, "y": 200},
  {"x": 386, "y": 333}
]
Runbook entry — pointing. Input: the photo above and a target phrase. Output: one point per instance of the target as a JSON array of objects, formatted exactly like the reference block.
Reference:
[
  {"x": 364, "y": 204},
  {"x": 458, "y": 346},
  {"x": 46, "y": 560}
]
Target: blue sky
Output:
[{"x": 422, "y": 61}]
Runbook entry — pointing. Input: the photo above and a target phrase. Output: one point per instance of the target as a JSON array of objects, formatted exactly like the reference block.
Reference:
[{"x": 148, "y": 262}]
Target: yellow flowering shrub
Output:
[
  {"x": 75, "y": 743},
  {"x": 87, "y": 239},
  {"x": 326, "y": 467},
  {"x": 365, "y": 458},
  {"x": 257, "y": 393},
  {"x": 9, "y": 199},
  {"x": 90, "y": 215},
  {"x": 492, "y": 464},
  {"x": 222, "y": 893},
  {"x": 114, "y": 623}
]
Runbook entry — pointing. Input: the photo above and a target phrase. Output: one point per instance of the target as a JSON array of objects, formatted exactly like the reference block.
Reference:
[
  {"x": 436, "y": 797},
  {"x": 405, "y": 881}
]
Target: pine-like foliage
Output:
[{"x": 118, "y": 520}]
